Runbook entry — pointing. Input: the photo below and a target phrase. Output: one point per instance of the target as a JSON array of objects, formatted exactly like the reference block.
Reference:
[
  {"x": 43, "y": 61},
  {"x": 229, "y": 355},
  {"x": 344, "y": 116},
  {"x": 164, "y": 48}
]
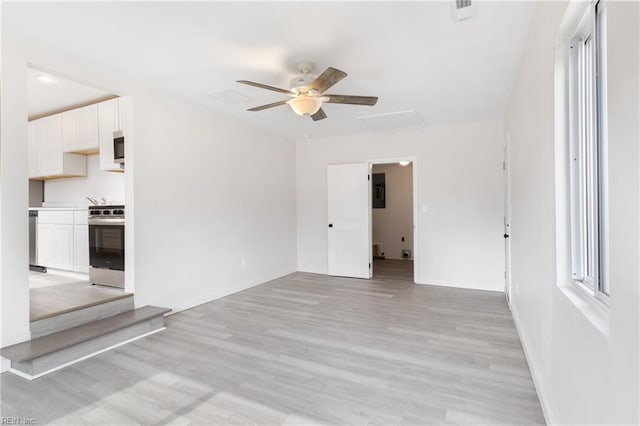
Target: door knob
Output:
[
  {"x": 331, "y": 225},
  {"x": 506, "y": 235}
]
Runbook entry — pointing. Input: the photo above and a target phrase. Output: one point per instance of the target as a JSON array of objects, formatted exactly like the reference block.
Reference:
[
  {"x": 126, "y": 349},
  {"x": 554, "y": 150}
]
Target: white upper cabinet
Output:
[
  {"x": 50, "y": 156},
  {"x": 80, "y": 130},
  {"x": 46, "y": 157},
  {"x": 108, "y": 122},
  {"x": 59, "y": 144}
]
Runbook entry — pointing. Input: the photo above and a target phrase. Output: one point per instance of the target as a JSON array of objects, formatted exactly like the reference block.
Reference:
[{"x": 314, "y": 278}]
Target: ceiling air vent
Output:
[{"x": 463, "y": 9}]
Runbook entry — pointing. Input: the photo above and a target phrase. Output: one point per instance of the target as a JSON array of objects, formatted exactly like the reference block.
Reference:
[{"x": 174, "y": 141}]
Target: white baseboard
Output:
[
  {"x": 497, "y": 288},
  {"x": 534, "y": 371},
  {"x": 219, "y": 295},
  {"x": 313, "y": 270}
]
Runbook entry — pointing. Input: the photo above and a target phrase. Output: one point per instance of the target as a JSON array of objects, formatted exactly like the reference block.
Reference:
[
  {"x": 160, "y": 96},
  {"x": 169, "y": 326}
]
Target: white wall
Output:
[
  {"x": 394, "y": 221},
  {"x": 14, "y": 200},
  {"x": 459, "y": 182},
  {"x": 215, "y": 204},
  {"x": 97, "y": 183},
  {"x": 583, "y": 360}
]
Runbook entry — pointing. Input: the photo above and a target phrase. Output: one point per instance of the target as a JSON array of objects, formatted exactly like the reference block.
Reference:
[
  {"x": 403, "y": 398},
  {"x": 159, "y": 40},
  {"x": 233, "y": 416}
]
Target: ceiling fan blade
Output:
[
  {"x": 264, "y": 86},
  {"x": 267, "y": 106},
  {"x": 327, "y": 79},
  {"x": 352, "y": 100},
  {"x": 320, "y": 115}
]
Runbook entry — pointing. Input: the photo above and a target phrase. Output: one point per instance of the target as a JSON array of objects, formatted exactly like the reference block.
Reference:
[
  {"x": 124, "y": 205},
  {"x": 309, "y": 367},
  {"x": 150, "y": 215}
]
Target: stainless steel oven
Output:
[{"x": 106, "y": 245}]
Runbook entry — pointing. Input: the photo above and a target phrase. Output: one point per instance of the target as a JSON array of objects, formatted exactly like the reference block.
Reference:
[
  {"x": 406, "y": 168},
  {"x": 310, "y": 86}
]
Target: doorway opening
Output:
[
  {"x": 72, "y": 170},
  {"x": 392, "y": 220}
]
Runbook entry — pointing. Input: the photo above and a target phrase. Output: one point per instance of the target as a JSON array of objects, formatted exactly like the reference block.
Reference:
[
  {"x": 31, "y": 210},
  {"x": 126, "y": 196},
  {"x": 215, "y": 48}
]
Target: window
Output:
[{"x": 587, "y": 109}]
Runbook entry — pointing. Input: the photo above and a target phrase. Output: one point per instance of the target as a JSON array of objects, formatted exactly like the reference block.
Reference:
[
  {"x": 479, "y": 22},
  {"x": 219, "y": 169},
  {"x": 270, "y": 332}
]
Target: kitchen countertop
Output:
[{"x": 58, "y": 208}]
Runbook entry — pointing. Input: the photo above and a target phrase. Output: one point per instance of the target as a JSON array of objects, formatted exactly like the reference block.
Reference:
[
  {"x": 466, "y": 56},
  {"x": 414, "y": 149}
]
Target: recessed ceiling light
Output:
[
  {"x": 46, "y": 78},
  {"x": 404, "y": 163}
]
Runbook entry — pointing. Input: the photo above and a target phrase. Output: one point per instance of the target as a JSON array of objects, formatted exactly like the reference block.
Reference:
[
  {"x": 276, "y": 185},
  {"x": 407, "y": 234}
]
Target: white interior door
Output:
[
  {"x": 507, "y": 219},
  {"x": 349, "y": 215}
]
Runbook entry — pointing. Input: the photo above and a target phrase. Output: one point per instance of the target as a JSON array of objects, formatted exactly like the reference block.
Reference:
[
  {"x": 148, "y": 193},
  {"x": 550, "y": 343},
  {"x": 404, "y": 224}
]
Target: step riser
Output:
[
  {"x": 49, "y": 362},
  {"x": 83, "y": 316}
]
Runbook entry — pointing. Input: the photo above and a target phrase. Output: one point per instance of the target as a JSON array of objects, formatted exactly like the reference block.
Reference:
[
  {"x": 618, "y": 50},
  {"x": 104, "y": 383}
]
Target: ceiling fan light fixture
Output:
[
  {"x": 307, "y": 95},
  {"x": 305, "y": 105}
]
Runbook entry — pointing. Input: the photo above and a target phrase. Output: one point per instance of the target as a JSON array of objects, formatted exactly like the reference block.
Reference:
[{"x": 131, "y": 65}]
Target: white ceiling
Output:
[
  {"x": 410, "y": 54},
  {"x": 46, "y": 98}
]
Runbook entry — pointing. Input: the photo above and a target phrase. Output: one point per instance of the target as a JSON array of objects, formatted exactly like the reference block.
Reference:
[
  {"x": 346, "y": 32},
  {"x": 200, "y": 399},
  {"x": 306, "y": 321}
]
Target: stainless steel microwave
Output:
[{"x": 118, "y": 147}]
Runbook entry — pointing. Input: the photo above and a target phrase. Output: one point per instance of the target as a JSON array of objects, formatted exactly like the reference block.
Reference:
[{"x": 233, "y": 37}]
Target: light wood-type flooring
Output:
[
  {"x": 46, "y": 302},
  {"x": 304, "y": 349},
  {"x": 53, "y": 278}
]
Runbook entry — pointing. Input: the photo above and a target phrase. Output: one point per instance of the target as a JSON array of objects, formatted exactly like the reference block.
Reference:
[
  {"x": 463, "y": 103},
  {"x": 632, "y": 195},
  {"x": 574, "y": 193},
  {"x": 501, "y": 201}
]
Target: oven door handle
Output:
[{"x": 104, "y": 221}]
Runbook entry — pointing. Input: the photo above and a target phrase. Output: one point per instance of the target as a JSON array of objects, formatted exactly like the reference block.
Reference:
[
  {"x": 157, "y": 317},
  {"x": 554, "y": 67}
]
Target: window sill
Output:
[{"x": 592, "y": 309}]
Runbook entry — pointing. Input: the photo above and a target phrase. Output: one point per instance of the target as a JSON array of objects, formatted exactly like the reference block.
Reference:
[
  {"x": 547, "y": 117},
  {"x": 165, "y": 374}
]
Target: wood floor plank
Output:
[
  {"x": 305, "y": 349},
  {"x": 47, "y": 302}
]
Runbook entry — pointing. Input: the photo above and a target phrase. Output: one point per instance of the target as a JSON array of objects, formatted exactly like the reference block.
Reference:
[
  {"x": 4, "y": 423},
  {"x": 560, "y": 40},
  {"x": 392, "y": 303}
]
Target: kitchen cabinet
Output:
[
  {"x": 108, "y": 122},
  {"x": 44, "y": 243},
  {"x": 81, "y": 241},
  {"x": 55, "y": 245},
  {"x": 80, "y": 130},
  {"x": 58, "y": 144},
  {"x": 46, "y": 158},
  {"x": 81, "y": 248},
  {"x": 63, "y": 240}
]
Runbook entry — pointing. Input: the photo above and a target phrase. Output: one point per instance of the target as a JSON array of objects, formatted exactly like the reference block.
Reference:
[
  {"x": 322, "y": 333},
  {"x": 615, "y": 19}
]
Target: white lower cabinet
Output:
[
  {"x": 81, "y": 241},
  {"x": 63, "y": 240},
  {"x": 55, "y": 246},
  {"x": 81, "y": 252},
  {"x": 45, "y": 244}
]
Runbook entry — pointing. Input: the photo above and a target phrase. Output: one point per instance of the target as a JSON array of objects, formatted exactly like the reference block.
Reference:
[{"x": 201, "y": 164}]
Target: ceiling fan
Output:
[{"x": 308, "y": 94}]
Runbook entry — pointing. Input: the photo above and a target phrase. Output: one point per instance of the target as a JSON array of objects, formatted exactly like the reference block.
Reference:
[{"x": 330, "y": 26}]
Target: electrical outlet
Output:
[{"x": 402, "y": 239}]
